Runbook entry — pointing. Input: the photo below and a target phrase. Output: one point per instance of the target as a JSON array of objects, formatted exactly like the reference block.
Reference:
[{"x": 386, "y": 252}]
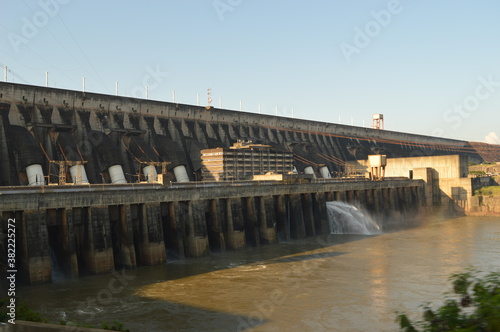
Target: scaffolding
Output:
[
  {"x": 163, "y": 165},
  {"x": 63, "y": 165}
]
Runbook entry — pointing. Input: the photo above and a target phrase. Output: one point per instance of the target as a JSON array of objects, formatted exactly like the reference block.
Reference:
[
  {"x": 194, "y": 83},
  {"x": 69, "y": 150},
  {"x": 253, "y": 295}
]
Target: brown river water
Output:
[{"x": 328, "y": 283}]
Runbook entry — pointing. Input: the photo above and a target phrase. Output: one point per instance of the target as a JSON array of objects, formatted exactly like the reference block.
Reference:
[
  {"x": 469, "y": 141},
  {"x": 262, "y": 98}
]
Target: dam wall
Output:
[
  {"x": 114, "y": 138},
  {"x": 446, "y": 178},
  {"x": 94, "y": 229},
  {"x": 97, "y": 182}
]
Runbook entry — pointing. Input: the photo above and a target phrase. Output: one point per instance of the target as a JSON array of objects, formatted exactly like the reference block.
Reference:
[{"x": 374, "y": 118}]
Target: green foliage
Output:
[
  {"x": 26, "y": 314},
  {"x": 117, "y": 326},
  {"x": 488, "y": 191},
  {"x": 22, "y": 312},
  {"x": 476, "y": 307},
  {"x": 477, "y": 173}
]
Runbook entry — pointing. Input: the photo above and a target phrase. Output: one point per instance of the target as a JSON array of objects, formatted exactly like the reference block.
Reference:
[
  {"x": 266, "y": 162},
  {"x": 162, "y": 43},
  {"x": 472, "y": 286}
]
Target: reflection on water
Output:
[{"x": 333, "y": 283}]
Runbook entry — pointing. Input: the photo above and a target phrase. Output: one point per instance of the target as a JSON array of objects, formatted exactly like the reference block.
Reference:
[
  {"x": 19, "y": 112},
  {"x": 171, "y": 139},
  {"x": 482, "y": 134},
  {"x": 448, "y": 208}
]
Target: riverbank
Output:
[{"x": 484, "y": 206}]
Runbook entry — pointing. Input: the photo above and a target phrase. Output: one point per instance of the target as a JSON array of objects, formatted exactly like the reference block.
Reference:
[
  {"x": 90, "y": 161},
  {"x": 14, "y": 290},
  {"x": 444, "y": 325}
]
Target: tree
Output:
[{"x": 475, "y": 307}]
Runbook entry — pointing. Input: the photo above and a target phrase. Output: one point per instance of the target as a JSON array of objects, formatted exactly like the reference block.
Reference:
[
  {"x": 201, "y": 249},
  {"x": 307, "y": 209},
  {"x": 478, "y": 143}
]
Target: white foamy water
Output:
[{"x": 347, "y": 219}]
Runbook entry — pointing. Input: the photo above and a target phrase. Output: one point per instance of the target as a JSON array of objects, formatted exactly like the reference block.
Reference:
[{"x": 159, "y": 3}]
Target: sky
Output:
[{"x": 430, "y": 67}]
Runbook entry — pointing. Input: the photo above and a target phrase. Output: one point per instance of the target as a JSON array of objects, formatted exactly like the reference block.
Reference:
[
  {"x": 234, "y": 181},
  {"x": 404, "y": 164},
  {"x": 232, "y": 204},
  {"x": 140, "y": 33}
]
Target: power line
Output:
[
  {"x": 83, "y": 53},
  {"x": 37, "y": 54},
  {"x": 67, "y": 51}
]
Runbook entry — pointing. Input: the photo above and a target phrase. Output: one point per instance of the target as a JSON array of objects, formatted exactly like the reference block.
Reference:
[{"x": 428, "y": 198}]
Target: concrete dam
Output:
[{"x": 97, "y": 182}]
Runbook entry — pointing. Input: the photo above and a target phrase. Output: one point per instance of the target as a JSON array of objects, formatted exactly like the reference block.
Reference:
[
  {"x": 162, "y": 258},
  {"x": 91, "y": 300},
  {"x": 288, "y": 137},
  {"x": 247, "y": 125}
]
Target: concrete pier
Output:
[
  {"x": 267, "y": 219},
  {"x": 235, "y": 224},
  {"x": 296, "y": 216},
  {"x": 151, "y": 247},
  {"x": 215, "y": 227},
  {"x": 196, "y": 230},
  {"x": 33, "y": 250},
  {"x": 99, "y": 249}
]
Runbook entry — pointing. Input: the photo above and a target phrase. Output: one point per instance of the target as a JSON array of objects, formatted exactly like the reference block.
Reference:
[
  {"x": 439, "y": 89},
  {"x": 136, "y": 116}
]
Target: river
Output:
[{"x": 329, "y": 283}]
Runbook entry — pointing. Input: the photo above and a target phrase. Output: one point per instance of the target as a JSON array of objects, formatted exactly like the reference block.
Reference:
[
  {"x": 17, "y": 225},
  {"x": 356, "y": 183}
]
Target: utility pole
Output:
[{"x": 209, "y": 97}]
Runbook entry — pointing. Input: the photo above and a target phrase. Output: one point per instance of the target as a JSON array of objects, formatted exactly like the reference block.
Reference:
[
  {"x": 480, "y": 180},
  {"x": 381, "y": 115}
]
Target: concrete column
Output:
[
  {"x": 122, "y": 235},
  {"x": 420, "y": 192},
  {"x": 251, "y": 222},
  {"x": 80, "y": 234},
  {"x": 360, "y": 198},
  {"x": 394, "y": 203},
  {"x": 350, "y": 196},
  {"x": 295, "y": 210},
  {"x": 385, "y": 204},
  {"x": 414, "y": 197},
  {"x": 99, "y": 250},
  {"x": 377, "y": 201},
  {"x": 409, "y": 203},
  {"x": 129, "y": 258},
  {"x": 61, "y": 242},
  {"x": 197, "y": 237},
  {"x": 235, "y": 231},
  {"x": 32, "y": 244},
  {"x": 266, "y": 216},
  {"x": 330, "y": 196},
  {"x": 282, "y": 218},
  {"x": 321, "y": 223},
  {"x": 151, "y": 246},
  {"x": 400, "y": 192},
  {"x": 369, "y": 200},
  {"x": 173, "y": 229},
  {"x": 426, "y": 174},
  {"x": 307, "y": 208},
  {"x": 68, "y": 243},
  {"x": 6, "y": 176},
  {"x": 215, "y": 227}
]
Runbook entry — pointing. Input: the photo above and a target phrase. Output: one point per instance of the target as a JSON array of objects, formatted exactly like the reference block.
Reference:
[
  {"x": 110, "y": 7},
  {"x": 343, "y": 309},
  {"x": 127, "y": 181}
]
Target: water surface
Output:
[{"x": 329, "y": 283}]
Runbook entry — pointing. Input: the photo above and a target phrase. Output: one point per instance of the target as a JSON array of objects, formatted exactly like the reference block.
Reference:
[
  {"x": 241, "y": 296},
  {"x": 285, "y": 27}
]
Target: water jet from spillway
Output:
[{"x": 348, "y": 219}]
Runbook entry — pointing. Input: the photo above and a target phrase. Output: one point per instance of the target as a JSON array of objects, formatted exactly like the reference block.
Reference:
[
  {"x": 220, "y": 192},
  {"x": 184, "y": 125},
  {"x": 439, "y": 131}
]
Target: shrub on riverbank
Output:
[
  {"x": 475, "y": 307},
  {"x": 23, "y": 312},
  {"x": 488, "y": 191}
]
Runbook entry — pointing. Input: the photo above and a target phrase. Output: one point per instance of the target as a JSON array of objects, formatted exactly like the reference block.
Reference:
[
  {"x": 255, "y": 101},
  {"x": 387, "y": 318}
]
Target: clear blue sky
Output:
[{"x": 431, "y": 67}]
